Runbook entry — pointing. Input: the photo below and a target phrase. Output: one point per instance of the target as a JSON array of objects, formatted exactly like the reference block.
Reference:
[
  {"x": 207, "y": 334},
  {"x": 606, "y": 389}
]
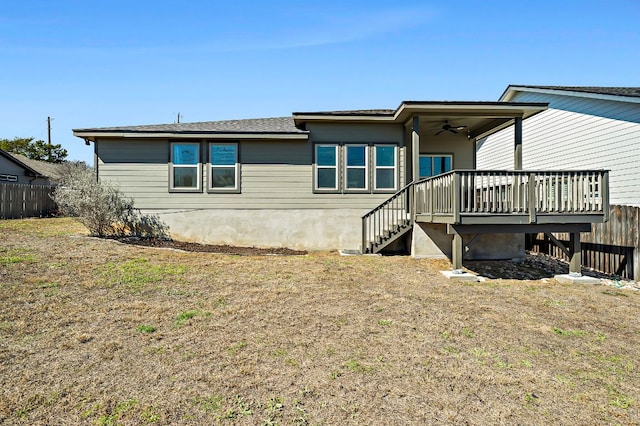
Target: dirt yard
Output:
[{"x": 99, "y": 332}]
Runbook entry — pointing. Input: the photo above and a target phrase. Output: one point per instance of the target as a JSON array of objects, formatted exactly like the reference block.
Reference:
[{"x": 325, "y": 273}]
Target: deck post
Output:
[
  {"x": 575, "y": 249},
  {"x": 456, "y": 197},
  {"x": 517, "y": 148},
  {"x": 457, "y": 250},
  {"x": 415, "y": 148},
  {"x": 533, "y": 202}
]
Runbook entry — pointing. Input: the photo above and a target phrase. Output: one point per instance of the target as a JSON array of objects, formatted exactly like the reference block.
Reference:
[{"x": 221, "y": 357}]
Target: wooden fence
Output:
[
  {"x": 19, "y": 200},
  {"x": 612, "y": 247}
]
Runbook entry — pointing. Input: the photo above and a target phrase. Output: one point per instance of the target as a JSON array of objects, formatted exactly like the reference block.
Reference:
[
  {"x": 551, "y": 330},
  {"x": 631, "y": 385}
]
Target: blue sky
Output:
[{"x": 106, "y": 63}]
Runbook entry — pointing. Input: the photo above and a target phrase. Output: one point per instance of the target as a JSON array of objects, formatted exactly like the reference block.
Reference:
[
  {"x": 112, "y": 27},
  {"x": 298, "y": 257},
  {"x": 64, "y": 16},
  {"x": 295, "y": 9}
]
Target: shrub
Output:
[{"x": 101, "y": 207}]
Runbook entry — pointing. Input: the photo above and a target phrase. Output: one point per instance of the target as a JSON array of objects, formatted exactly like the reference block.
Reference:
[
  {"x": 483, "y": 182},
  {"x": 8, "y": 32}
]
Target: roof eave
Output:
[
  {"x": 481, "y": 109},
  {"x": 91, "y": 135},
  {"x": 512, "y": 89}
]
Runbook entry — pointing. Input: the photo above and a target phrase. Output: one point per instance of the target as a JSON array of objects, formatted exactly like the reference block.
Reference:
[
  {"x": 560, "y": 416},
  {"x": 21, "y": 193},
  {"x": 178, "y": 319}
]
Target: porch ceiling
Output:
[
  {"x": 476, "y": 127},
  {"x": 480, "y": 118}
]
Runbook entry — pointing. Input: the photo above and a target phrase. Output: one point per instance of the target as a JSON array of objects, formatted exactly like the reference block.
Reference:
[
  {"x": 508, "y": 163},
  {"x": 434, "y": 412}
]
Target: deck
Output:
[
  {"x": 499, "y": 197},
  {"x": 490, "y": 201}
]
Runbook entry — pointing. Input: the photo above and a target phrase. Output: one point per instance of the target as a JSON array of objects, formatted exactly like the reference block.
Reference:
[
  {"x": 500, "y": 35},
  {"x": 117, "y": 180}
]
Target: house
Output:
[
  {"x": 594, "y": 127},
  {"x": 25, "y": 186},
  {"x": 365, "y": 180},
  {"x": 16, "y": 168}
]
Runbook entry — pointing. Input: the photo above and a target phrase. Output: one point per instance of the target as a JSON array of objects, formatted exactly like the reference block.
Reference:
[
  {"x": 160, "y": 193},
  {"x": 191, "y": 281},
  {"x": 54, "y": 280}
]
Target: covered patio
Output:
[{"x": 467, "y": 203}]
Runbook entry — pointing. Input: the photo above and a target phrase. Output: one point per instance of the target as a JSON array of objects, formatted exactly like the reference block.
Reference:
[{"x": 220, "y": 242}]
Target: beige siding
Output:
[
  {"x": 339, "y": 132},
  {"x": 576, "y": 133},
  {"x": 274, "y": 174}
]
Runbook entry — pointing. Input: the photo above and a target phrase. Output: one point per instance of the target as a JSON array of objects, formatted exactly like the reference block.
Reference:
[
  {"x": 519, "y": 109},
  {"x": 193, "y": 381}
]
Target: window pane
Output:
[
  {"x": 223, "y": 155},
  {"x": 441, "y": 164},
  {"x": 356, "y": 155},
  {"x": 425, "y": 166},
  {"x": 185, "y": 153},
  {"x": 327, "y": 178},
  {"x": 355, "y": 178},
  {"x": 385, "y": 156},
  {"x": 385, "y": 179},
  {"x": 326, "y": 155},
  {"x": 223, "y": 177},
  {"x": 185, "y": 177}
]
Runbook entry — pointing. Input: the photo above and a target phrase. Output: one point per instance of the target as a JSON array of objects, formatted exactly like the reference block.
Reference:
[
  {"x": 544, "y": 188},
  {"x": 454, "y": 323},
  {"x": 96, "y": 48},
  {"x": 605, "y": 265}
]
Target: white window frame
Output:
[
  {"x": 335, "y": 167},
  {"x": 197, "y": 166},
  {"x": 8, "y": 178},
  {"x": 394, "y": 168},
  {"x": 365, "y": 168},
  {"x": 432, "y": 155},
  {"x": 236, "y": 166}
]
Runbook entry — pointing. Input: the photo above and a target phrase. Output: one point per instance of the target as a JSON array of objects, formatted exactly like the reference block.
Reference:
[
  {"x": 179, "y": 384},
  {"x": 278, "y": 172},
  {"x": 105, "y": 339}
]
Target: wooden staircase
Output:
[{"x": 389, "y": 221}]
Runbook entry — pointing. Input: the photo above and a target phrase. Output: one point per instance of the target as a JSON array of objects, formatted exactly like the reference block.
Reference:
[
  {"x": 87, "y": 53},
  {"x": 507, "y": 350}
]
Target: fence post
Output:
[
  {"x": 636, "y": 245},
  {"x": 605, "y": 195}
]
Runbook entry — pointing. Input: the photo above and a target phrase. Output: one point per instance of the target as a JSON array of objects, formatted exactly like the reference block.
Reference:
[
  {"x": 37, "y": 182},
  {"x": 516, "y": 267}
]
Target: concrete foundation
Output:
[
  {"x": 303, "y": 229},
  {"x": 432, "y": 241},
  {"x": 462, "y": 276},
  {"x": 576, "y": 279}
]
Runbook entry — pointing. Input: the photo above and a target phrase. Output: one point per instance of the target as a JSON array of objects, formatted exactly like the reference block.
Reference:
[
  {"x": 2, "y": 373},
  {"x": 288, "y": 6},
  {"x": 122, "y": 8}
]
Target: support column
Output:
[
  {"x": 575, "y": 249},
  {"x": 517, "y": 148},
  {"x": 415, "y": 148},
  {"x": 457, "y": 251}
]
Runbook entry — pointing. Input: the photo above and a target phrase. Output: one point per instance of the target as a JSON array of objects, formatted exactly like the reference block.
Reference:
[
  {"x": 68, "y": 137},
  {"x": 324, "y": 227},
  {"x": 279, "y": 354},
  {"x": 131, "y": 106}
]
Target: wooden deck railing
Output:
[
  {"x": 490, "y": 196},
  {"x": 501, "y": 192},
  {"x": 388, "y": 219}
]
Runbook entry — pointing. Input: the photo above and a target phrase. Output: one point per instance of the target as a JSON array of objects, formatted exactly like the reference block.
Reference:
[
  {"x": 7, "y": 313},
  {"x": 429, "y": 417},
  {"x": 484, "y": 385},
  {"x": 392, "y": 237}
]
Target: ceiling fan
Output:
[{"x": 446, "y": 127}]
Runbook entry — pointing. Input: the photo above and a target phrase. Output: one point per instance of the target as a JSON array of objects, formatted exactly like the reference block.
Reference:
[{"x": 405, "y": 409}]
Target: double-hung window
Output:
[
  {"x": 185, "y": 167},
  {"x": 385, "y": 174},
  {"x": 433, "y": 165},
  {"x": 356, "y": 168},
  {"x": 326, "y": 167},
  {"x": 224, "y": 167}
]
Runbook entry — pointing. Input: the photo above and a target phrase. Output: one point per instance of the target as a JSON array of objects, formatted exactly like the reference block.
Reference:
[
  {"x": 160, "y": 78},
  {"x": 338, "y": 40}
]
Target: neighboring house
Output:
[
  {"x": 16, "y": 168},
  {"x": 25, "y": 186},
  {"x": 584, "y": 127},
  {"x": 362, "y": 180}
]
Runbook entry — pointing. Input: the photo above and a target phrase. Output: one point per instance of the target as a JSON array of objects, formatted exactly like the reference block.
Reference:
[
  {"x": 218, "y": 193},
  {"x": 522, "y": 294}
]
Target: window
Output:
[
  {"x": 385, "y": 175},
  {"x": 356, "y": 168},
  {"x": 432, "y": 165},
  {"x": 356, "y": 160},
  {"x": 327, "y": 167},
  {"x": 185, "y": 166},
  {"x": 9, "y": 178},
  {"x": 223, "y": 175}
]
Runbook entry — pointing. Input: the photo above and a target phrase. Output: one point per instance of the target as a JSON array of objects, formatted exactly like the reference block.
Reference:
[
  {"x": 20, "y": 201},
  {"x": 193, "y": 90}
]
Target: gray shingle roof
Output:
[
  {"x": 354, "y": 112},
  {"x": 253, "y": 125},
  {"x": 38, "y": 168},
  {"x": 50, "y": 170},
  {"x": 615, "y": 91}
]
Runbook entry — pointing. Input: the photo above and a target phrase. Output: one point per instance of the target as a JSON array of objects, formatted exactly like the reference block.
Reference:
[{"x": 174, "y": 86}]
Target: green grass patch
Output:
[
  {"x": 356, "y": 367},
  {"x": 384, "y": 322},
  {"x": 575, "y": 333},
  {"x": 145, "y": 329},
  {"x": 136, "y": 274},
  {"x": 16, "y": 255},
  {"x": 184, "y": 317},
  {"x": 237, "y": 347}
]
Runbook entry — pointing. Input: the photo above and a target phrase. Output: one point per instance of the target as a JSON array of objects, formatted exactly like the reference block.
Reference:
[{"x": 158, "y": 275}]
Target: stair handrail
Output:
[{"x": 375, "y": 230}]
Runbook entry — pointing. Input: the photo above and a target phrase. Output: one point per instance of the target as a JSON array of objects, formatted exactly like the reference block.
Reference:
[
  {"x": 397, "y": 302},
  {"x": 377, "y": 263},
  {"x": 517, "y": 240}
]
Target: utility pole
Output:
[
  {"x": 178, "y": 117},
  {"x": 49, "y": 136}
]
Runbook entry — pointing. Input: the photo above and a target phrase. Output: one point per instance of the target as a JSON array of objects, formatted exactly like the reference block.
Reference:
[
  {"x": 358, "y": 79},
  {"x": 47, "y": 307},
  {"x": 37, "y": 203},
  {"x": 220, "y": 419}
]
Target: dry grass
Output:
[{"x": 96, "y": 332}]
